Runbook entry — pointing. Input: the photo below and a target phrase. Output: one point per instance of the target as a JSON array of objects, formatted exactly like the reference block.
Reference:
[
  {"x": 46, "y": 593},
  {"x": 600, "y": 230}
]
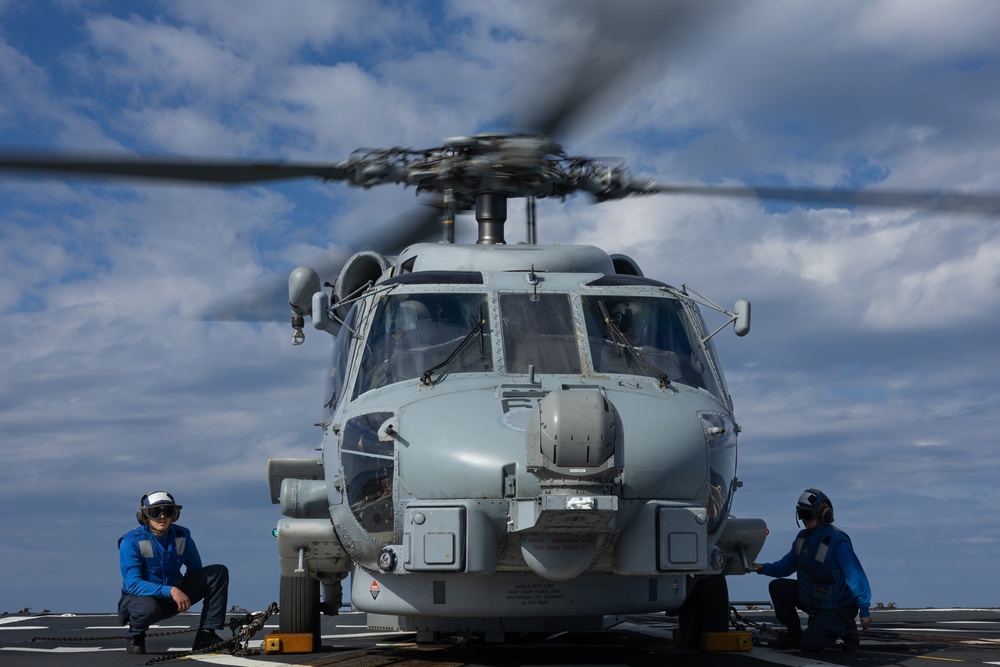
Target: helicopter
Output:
[
  {"x": 441, "y": 532},
  {"x": 598, "y": 478}
]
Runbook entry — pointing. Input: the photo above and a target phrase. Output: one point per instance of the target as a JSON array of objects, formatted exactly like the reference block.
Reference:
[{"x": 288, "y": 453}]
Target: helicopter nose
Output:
[{"x": 573, "y": 434}]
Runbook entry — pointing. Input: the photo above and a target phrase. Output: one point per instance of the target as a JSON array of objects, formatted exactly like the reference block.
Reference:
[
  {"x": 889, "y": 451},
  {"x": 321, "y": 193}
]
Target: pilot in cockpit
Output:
[
  {"x": 631, "y": 323},
  {"x": 408, "y": 324}
]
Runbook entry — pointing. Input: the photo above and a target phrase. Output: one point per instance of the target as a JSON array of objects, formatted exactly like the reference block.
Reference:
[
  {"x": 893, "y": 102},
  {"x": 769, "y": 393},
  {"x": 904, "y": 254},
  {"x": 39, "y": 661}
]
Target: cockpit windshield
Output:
[
  {"x": 414, "y": 333},
  {"x": 538, "y": 331},
  {"x": 624, "y": 332}
]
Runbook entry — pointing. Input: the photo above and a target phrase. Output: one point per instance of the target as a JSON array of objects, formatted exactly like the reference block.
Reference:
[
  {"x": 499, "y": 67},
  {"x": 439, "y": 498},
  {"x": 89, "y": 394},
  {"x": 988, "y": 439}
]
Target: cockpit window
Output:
[
  {"x": 538, "y": 330},
  {"x": 651, "y": 329},
  {"x": 414, "y": 333},
  {"x": 339, "y": 361}
]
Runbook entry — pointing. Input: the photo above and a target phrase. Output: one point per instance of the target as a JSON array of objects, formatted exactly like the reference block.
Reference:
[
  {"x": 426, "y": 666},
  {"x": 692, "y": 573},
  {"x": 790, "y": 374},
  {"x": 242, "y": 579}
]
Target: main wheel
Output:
[
  {"x": 299, "y": 607},
  {"x": 705, "y": 610}
]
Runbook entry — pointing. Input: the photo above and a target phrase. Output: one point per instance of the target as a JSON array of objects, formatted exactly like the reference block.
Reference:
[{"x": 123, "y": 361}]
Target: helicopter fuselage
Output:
[{"x": 525, "y": 439}]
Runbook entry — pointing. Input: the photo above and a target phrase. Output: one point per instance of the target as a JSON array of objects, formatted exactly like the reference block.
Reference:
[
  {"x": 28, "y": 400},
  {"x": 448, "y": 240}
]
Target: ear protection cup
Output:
[
  {"x": 822, "y": 504},
  {"x": 139, "y": 516}
]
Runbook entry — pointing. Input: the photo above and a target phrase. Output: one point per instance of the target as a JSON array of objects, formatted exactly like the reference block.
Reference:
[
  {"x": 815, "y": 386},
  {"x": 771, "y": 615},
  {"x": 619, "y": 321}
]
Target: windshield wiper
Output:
[
  {"x": 477, "y": 327},
  {"x": 620, "y": 342}
]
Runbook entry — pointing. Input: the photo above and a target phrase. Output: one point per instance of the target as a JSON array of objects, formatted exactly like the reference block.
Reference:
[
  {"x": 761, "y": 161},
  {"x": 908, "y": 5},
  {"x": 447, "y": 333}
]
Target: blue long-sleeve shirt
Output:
[
  {"x": 844, "y": 564},
  {"x": 151, "y": 565}
]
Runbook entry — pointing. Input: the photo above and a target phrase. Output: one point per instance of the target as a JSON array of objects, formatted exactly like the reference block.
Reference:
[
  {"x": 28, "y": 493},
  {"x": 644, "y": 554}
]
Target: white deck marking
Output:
[
  {"x": 60, "y": 649},
  {"x": 17, "y": 619},
  {"x": 787, "y": 659},
  {"x": 373, "y": 633},
  {"x": 972, "y": 622},
  {"x": 222, "y": 659}
]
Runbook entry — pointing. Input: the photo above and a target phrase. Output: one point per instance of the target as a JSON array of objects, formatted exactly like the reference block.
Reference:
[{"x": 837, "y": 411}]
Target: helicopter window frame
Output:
[
  {"x": 550, "y": 350},
  {"x": 671, "y": 342},
  {"x": 339, "y": 374},
  {"x": 369, "y": 472},
  {"x": 397, "y": 352},
  {"x": 707, "y": 350}
]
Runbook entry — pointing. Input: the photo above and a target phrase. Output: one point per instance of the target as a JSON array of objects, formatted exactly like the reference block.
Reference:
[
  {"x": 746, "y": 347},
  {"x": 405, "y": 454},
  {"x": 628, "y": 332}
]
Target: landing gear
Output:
[
  {"x": 299, "y": 605},
  {"x": 705, "y": 610}
]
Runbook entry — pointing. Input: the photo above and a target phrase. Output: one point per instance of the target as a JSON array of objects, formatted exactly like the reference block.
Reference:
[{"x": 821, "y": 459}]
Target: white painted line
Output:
[
  {"x": 971, "y": 622},
  {"x": 941, "y": 631},
  {"x": 647, "y": 630},
  {"x": 222, "y": 659},
  {"x": 26, "y": 627},
  {"x": 787, "y": 659},
  {"x": 60, "y": 649},
  {"x": 358, "y": 635},
  {"x": 16, "y": 619}
]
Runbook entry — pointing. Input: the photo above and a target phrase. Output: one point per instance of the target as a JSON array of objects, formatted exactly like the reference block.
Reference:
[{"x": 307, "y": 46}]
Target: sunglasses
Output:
[
  {"x": 808, "y": 515},
  {"x": 157, "y": 511}
]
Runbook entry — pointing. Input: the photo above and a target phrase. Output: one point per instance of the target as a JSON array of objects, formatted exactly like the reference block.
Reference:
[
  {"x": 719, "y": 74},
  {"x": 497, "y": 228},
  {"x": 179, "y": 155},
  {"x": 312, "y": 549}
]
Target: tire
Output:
[
  {"x": 705, "y": 610},
  {"x": 299, "y": 607}
]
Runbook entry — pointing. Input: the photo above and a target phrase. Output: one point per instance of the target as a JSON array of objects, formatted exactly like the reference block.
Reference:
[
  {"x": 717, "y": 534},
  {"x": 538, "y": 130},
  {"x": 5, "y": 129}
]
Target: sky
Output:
[{"x": 872, "y": 370}]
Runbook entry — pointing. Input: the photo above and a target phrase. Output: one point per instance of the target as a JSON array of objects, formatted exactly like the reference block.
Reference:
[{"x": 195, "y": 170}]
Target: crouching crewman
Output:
[{"x": 153, "y": 588}]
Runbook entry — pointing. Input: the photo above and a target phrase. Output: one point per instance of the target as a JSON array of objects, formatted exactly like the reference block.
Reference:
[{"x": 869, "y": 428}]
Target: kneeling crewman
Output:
[
  {"x": 151, "y": 557},
  {"x": 832, "y": 586}
]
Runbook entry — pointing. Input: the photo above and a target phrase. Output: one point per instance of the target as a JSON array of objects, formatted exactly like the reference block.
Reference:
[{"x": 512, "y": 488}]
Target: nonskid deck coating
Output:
[{"x": 902, "y": 637}]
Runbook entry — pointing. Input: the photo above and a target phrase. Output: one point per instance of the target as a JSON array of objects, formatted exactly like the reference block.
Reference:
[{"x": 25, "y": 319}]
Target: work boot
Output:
[
  {"x": 791, "y": 639},
  {"x": 206, "y": 638},
  {"x": 136, "y": 644},
  {"x": 851, "y": 642}
]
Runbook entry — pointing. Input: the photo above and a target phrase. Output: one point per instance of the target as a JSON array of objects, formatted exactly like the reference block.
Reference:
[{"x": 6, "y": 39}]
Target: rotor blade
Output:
[
  {"x": 957, "y": 202},
  {"x": 267, "y": 301},
  {"x": 623, "y": 33},
  {"x": 414, "y": 226},
  {"x": 166, "y": 169}
]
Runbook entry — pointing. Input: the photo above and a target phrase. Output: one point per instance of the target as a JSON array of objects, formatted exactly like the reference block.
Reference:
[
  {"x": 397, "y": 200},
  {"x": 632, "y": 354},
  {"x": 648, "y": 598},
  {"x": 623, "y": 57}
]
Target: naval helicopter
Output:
[{"x": 516, "y": 437}]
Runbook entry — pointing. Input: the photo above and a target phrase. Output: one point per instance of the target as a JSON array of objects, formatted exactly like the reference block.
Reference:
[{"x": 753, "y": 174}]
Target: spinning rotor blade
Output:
[
  {"x": 957, "y": 202},
  {"x": 268, "y": 300},
  {"x": 172, "y": 169},
  {"x": 623, "y": 34}
]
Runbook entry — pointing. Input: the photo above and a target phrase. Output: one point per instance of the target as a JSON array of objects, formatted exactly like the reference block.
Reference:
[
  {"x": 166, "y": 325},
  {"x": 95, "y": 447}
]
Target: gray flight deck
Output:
[{"x": 905, "y": 637}]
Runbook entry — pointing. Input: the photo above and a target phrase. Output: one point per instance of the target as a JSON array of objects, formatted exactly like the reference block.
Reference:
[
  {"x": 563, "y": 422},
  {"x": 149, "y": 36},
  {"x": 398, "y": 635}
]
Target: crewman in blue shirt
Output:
[
  {"x": 831, "y": 587},
  {"x": 153, "y": 588}
]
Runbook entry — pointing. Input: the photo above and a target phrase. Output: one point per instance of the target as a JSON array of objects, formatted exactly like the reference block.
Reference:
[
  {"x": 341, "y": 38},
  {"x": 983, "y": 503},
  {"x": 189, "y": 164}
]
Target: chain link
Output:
[
  {"x": 109, "y": 638},
  {"x": 243, "y": 629},
  {"x": 740, "y": 623}
]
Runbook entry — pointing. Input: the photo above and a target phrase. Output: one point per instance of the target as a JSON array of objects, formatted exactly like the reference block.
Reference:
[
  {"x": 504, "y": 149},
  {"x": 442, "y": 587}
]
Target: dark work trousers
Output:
[
  {"x": 210, "y": 583},
  {"x": 825, "y": 627}
]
